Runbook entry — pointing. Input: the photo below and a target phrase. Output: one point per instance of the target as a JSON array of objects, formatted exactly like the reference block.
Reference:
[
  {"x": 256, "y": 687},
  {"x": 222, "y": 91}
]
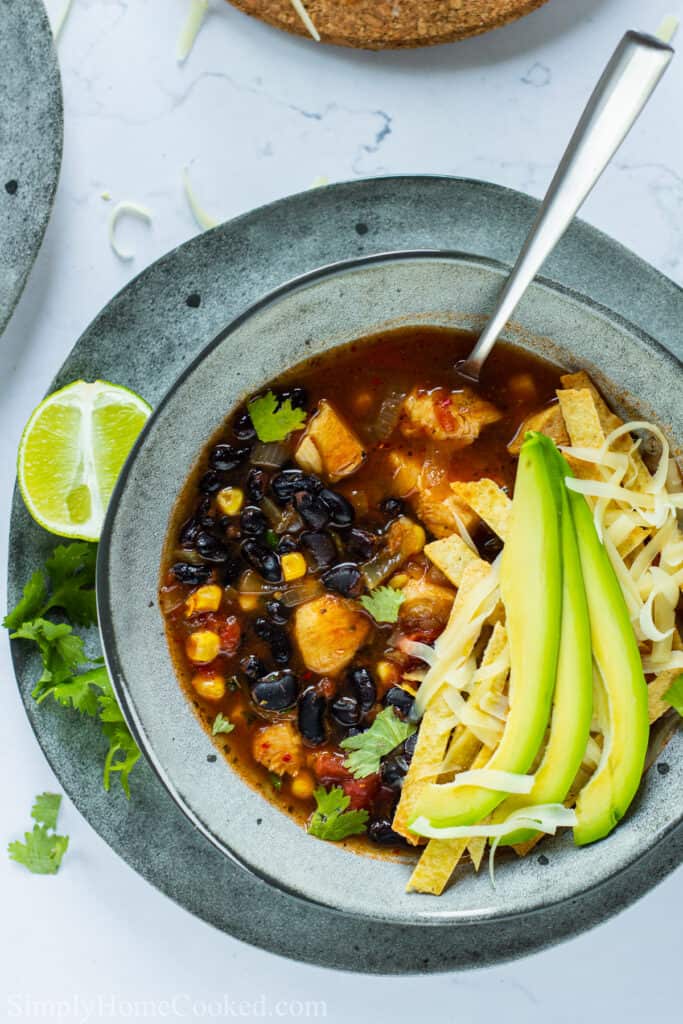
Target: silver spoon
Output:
[{"x": 625, "y": 86}]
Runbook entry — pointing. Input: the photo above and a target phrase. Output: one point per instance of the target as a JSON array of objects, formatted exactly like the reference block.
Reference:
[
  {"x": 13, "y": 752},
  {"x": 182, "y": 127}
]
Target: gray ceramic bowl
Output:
[{"x": 308, "y": 316}]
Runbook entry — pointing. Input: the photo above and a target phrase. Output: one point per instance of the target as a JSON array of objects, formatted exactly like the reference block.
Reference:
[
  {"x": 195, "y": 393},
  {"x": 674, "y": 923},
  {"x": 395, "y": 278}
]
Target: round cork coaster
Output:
[{"x": 390, "y": 24}]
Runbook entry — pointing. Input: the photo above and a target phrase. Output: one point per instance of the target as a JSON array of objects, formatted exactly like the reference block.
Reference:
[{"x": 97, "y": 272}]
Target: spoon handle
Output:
[{"x": 625, "y": 86}]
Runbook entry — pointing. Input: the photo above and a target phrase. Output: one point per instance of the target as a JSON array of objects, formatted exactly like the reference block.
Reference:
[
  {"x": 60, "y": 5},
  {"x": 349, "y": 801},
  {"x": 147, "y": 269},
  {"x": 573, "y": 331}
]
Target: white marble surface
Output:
[{"x": 257, "y": 115}]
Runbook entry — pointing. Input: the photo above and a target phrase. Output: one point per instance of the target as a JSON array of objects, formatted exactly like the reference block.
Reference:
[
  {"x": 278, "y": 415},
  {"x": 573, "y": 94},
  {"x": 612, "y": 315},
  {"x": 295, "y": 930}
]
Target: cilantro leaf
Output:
[
  {"x": 674, "y": 695},
  {"x": 33, "y": 600},
  {"x": 383, "y": 603},
  {"x": 221, "y": 724},
  {"x": 369, "y": 747},
  {"x": 46, "y": 808},
  {"x": 71, "y": 569},
  {"x": 68, "y": 675},
  {"x": 330, "y": 820},
  {"x": 41, "y": 852},
  {"x": 274, "y": 420}
]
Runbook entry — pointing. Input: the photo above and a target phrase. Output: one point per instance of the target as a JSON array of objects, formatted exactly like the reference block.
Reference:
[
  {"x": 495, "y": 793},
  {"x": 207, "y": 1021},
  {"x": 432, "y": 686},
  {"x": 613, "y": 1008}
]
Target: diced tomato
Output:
[
  {"x": 444, "y": 413},
  {"x": 361, "y": 791},
  {"x": 328, "y": 765},
  {"x": 230, "y": 634}
]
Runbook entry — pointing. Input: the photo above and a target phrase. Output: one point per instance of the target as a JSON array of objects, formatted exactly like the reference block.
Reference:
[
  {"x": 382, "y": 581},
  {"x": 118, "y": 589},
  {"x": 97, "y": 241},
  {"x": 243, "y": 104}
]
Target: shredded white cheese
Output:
[
  {"x": 668, "y": 29},
  {"x": 306, "y": 18},
  {"x": 490, "y": 778},
  {"x": 61, "y": 19},
  {"x": 190, "y": 30},
  {"x": 136, "y": 210},
  {"x": 203, "y": 219}
]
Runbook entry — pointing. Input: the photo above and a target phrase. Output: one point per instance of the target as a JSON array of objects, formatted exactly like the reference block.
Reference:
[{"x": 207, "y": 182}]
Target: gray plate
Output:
[
  {"x": 31, "y": 127},
  {"x": 230, "y": 268}
]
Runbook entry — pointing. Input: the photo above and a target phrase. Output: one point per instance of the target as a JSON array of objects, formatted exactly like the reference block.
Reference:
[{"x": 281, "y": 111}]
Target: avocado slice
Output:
[
  {"x": 605, "y": 798},
  {"x": 531, "y": 589},
  {"x": 573, "y": 699}
]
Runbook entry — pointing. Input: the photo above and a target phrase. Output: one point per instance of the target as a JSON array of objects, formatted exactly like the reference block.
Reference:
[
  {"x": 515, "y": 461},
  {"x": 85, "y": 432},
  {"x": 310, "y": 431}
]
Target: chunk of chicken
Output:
[
  {"x": 426, "y": 605},
  {"x": 546, "y": 421},
  {"x": 436, "y": 507},
  {"x": 328, "y": 446},
  {"x": 455, "y": 416},
  {"x": 279, "y": 748},
  {"x": 328, "y": 632}
]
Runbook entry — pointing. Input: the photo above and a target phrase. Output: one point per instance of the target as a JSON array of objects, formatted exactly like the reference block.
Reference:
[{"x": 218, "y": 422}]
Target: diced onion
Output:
[
  {"x": 190, "y": 29},
  {"x": 273, "y": 454},
  {"x": 417, "y": 650},
  {"x": 302, "y": 592},
  {"x": 387, "y": 417},
  {"x": 119, "y": 210}
]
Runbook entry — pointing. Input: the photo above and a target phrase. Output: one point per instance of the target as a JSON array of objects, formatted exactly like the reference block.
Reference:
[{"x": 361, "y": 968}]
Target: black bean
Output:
[
  {"x": 188, "y": 532},
  {"x": 256, "y": 485},
  {"x": 399, "y": 699},
  {"x": 243, "y": 428},
  {"x": 344, "y": 579},
  {"x": 224, "y": 522},
  {"x": 280, "y": 647},
  {"x": 185, "y": 572},
  {"x": 277, "y": 612},
  {"x": 253, "y": 668},
  {"x": 312, "y": 716},
  {"x": 394, "y": 769},
  {"x": 320, "y": 547},
  {"x": 286, "y": 545},
  {"x": 207, "y": 523},
  {"x": 409, "y": 746},
  {"x": 225, "y": 457},
  {"x": 391, "y": 507},
  {"x": 265, "y": 561},
  {"x": 297, "y": 396},
  {"x": 276, "y": 691},
  {"x": 263, "y": 628},
  {"x": 230, "y": 571},
  {"x": 490, "y": 547},
  {"x": 285, "y": 484},
  {"x": 253, "y": 523},
  {"x": 361, "y": 543},
  {"x": 346, "y": 711},
  {"x": 381, "y": 832},
  {"x": 210, "y": 548},
  {"x": 342, "y": 511},
  {"x": 211, "y": 482},
  {"x": 364, "y": 686},
  {"x": 312, "y": 509}
]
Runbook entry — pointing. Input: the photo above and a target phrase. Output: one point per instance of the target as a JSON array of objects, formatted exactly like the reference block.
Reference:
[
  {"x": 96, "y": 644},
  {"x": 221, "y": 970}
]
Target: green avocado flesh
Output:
[
  {"x": 605, "y": 798},
  {"x": 531, "y": 590},
  {"x": 573, "y": 699}
]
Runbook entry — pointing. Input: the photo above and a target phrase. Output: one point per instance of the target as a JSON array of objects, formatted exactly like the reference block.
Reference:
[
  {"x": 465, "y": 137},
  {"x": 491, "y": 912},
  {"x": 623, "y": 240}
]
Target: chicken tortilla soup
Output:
[{"x": 422, "y": 616}]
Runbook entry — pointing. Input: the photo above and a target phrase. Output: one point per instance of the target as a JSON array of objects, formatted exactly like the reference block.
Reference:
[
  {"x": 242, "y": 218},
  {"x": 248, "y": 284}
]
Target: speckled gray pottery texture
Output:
[
  {"x": 31, "y": 128},
  {"x": 222, "y": 273}
]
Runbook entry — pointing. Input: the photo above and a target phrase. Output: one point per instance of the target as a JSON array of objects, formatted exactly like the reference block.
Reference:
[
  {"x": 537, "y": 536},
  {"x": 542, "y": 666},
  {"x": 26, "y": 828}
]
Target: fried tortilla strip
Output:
[
  {"x": 452, "y": 556},
  {"x": 488, "y": 500},
  {"x": 435, "y": 728},
  {"x": 548, "y": 421},
  {"x": 441, "y": 857},
  {"x": 582, "y": 420},
  {"x": 656, "y": 706},
  {"x": 609, "y": 422}
]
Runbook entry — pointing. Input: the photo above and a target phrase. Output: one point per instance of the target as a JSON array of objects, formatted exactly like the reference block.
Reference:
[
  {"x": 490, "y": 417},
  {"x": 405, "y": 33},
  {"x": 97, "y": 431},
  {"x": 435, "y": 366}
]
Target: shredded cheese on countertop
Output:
[{"x": 119, "y": 210}]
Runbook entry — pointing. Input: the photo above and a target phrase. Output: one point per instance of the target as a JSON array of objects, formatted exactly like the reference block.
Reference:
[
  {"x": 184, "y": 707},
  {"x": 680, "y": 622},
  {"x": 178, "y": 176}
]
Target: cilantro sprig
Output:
[
  {"x": 221, "y": 724},
  {"x": 331, "y": 820},
  {"x": 383, "y": 603},
  {"x": 42, "y": 850},
  {"x": 368, "y": 748},
  {"x": 275, "y": 420},
  {"x": 69, "y": 676}
]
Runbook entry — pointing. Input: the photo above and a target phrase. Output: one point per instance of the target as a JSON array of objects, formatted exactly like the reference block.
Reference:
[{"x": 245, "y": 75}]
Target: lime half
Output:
[{"x": 72, "y": 451}]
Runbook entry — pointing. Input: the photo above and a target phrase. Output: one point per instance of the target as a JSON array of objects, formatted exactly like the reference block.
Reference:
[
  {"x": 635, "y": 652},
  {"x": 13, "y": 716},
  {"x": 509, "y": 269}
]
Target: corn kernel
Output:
[
  {"x": 302, "y": 786},
  {"x": 293, "y": 566},
  {"x": 230, "y": 501},
  {"x": 205, "y": 599},
  {"x": 387, "y": 673},
  {"x": 210, "y": 687},
  {"x": 203, "y": 646},
  {"x": 399, "y": 580},
  {"x": 248, "y": 602}
]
